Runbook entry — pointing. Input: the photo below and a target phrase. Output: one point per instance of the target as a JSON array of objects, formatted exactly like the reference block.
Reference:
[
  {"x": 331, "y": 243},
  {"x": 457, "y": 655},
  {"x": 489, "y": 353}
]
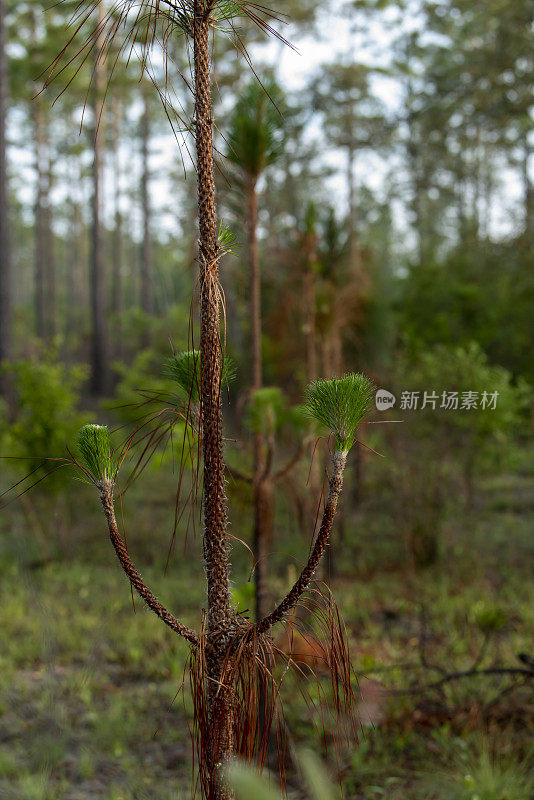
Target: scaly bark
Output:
[
  {"x": 106, "y": 498},
  {"x": 219, "y": 746}
]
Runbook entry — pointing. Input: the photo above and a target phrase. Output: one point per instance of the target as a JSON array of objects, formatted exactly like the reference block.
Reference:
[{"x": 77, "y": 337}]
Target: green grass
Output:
[{"x": 87, "y": 685}]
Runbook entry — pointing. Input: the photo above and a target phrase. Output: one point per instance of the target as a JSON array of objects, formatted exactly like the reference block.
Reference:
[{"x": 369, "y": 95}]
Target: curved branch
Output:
[
  {"x": 237, "y": 474},
  {"x": 466, "y": 673},
  {"x": 301, "y": 584},
  {"x": 295, "y": 458},
  {"x": 269, "y": 459},
  {"x": 106, "y": 498}
]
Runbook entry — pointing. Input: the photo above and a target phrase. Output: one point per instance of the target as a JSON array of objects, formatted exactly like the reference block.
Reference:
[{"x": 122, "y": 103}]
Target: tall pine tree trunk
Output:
[
  {"x": 99, "y": 342},
  {"x": 40, "y": 222},
  {"x": 309, "y": 315},
  {"x": 354, "y": 252},
  {"x": 263, "y": 495},
  {"x": 116, "y": 289},
  {"x": 73, "y": 258},
  {"x": 528, "y": 191},
  {"x": 220, "y": 618},
  {"x": 5, "y": 253},
  {"x": 147, "y": 279},
  {"x": 49, "y": 262}
]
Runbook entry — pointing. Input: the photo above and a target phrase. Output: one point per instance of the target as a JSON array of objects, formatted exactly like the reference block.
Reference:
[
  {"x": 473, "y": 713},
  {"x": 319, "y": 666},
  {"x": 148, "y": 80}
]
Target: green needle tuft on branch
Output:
[
  {"x": 94, "y": 444},
  {"x": 340, "y": 404},
  {"x": 184, "y": 369}
]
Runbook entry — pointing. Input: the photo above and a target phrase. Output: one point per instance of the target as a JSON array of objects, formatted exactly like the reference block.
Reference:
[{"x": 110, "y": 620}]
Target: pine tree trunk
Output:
[
  {"x": 255, "y": 283},
  {"x": 116, "y": 289},
  {"x": 49, "y": 261},
  {"x": 528, "y": 191},
  {"x": 220, "y": 618},
  {"x": 263, "y": 496},
  {"x": 5, "y": 253},
  {"x": 309, "y": 308},
  {"x": 263, "y": 528},
  {"x": 99, "y": 344},
  {"x": 40, "y": 223},
  {"x": 354, "y": 253},
  {"x": 147, "y": 281},
  {"x": 73, "y": 259}
]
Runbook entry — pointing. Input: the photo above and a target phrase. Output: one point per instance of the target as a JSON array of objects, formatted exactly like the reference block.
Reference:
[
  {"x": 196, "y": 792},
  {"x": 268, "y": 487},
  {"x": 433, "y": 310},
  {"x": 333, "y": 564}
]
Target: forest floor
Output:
[{"x": 88, "y": 689}]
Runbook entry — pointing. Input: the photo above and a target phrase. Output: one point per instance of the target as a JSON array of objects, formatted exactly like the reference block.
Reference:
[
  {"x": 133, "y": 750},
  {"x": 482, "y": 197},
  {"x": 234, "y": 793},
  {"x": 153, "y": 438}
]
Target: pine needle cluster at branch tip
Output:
[
  {"x": 340, "y": 404},
  {"x": 184, "y": 368},
  {"x": 94, "y": 444}
]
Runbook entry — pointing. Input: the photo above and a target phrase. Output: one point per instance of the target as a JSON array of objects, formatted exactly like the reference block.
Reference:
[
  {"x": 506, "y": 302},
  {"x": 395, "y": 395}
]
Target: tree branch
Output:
[
  {"x": 301, "y": 584},
  {"x": 269, "y": 459},
  {"x": 466, "y": 673},
  {"x": 295, "y": 458},
  {"x": 237, "y": 474},
  {"x": 106, "y": 498}
]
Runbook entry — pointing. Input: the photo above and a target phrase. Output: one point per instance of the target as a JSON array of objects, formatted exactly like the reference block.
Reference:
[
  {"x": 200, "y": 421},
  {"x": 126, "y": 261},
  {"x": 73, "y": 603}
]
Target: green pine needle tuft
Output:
[
  {"x": 94, "y": 444},
  {"x": 184, "y": 368},
  {"x": 340, "y": 405}
]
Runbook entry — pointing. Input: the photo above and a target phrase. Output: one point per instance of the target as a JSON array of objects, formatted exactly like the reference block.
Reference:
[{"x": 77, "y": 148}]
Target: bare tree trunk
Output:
[
  {"x": 220, "y": 619},
  {"x": 5, "y": 252},
  {"x": 263, "y": 496},
  {"x": 326, "y": 357},
  {"x": 147, "y": 279},
  {"x": 528, "y": 190},
  {"x": 255, "y": 283},
  {"x": 263, "y": 528},
  {"x": 116, "y": 289},
  {"x": 40, "y": 223},
  {"x": 309, "y": 306},
  {"x": 354, "y": 253},
  {"x": 72, "y": 254},
  {"x": 99, "y": 344},
  {"x": 49, "y": 262}
]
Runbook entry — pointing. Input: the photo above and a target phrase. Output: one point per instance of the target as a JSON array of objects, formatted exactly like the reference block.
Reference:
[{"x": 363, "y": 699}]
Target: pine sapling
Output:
[{"x": 229, "y": 652}]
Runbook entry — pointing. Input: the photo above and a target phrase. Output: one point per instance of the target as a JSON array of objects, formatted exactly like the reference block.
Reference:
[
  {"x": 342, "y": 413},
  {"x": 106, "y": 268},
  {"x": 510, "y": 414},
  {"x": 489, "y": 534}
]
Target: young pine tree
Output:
[{"x": 229, "y": 652}]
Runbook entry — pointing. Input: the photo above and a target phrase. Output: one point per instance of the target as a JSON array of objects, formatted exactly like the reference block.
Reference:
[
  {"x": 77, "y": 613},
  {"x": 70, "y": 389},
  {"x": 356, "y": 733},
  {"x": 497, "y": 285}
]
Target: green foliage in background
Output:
[
  {"x": 269, "y": 412},
  {"x": 139, "y": 383},
  {"x": 247, "y": 783},
  {"x": 256, "y": 128},
  {"x": 476, "y": 436},
  {"x": 47, "y": 416},
  {"x": 440, "y": 454},
  {"x": 479, "y": 291},
  {"x": 484, "y": 773}
]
